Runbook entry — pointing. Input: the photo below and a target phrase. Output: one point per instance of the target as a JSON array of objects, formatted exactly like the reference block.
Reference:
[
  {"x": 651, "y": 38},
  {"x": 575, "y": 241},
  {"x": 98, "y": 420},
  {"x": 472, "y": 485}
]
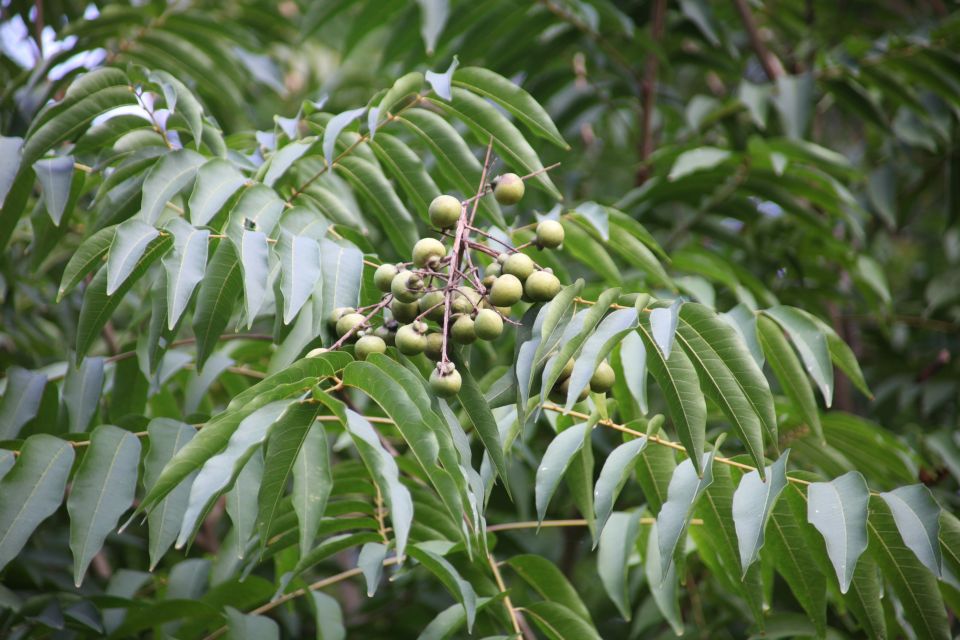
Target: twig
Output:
[
  {"x": 514, "y": 616},
  {"x": 648, "y": 90},
  {"x": 770, "y": 63}
]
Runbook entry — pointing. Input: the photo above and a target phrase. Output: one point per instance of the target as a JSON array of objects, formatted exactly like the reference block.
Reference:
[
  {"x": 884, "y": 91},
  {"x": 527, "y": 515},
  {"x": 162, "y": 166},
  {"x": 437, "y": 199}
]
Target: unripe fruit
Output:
[
  {"x": 407, "y": 286},
  {"x": 411, "y": 339},
  {"x": 432, "y": 300},
  {"x": 384, "y": 275},
  {"x": 520, "y": 265},
  {"x": 488, "y": 281},
  {"x": 550, "y": 234},
  {"x": 368, "y": 345},
  {"x": 493, "y": 269},
  {"x": 316, "y": 353},
  {"x": 463, "y": 330},
  {"x": 446, "y": 385},
  {"x": 444, "y": 211},
  {"x": 488, "y": 325},
  {"x": 465, "y": 300},
  {"x": 506, "y": 291},
  {"x": 387, "y": 334},
  {"x": 565, "y": 389},
  {"x": 338, "y": 313},
  {"x": 503, "y": 257},
  {"x": 603, "y": 378},
  {"x": 567, "y": 369},
  {"x": 349, "y": 322},
  {"x": 542, "y": 286},
  {"x": 508, "y": 188},
  {"x": 427, "y": 252},
  {"x": 434, "y": 348},
  {"x": 404, "y": 311}
]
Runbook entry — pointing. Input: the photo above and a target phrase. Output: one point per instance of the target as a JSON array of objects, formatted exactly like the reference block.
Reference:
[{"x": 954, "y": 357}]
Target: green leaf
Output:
[
  {"x": 917, "y": 516},
  {"x": 329, "y": 617},
  {"x": 10, "y": 163},
  {"x": 103, "y": 489},
  {"x": 450, "y": 577},
  {"x": 182, "y": 101},
  {"x": 334, "y": 127},
  {"x": 451, "y": 619},
  {"x": 21, "y": 400},
  {"x": 370, "y": 561},
  {"x": 558, "y": 622},
  {"x": 258, "y": 209},
  {"x": 32, "y": 491},
  {"x": 913, "y": 584},
  {"x": 129, "y": 243},
  {"x": 85, "y": 259},
  {"x": 697, "y": 160},
  {"x": 842, "y": 355},
  {"x": 486, "y": 122},
  {"x": 442, "y": 83},
  {"x": 811, "y": 343},
  {"x": 547, "y": 580},
  {"x": 729, "y": 376},
  {"x": 166, "y": 179},
  {"x": 663, "y": 326},
  {"x": 341, "y": 272},
  {"x": 242, "y": 505},
  {"x": 216, "y": 181},
  {"x": 614, "y": 474},
  {"x": 838, "y": 509},
  {"x": 368, "y": 181},
  {"x": 248, "y": 626},
  {"x": 312, "y": 483},
  {"x": 555, "y": 462},
  {"x": 55, "y": 176},
  {"x": 434, "y": 14},
  {"x": 616, "y": 544},
  {"x": 299, "y": 271},
  {"x": 185, "y": 266},
  {"x": 871, "y": 274},
  {"x": 786, "y": 367},
  {"x": 512, "y": 98},
  {"x": 98, "y": 305},
  {"x": 166, "y": 438},
  {"x": 220, "y": 290},
  {"x": 81, "y": 392},
  {"x": 478, "y": 411},
  {"x": 794, "y": 102},
  {"x": 283, "y": 159},
  {"x": 407, "y": 168},
  {"x": 608, "y": 333},
  {"x": 255, "y": 267},
  {"x": 753, "y": 501},
  {"x": 663, "y": 584},
  {"x": 404, "y": 87}
]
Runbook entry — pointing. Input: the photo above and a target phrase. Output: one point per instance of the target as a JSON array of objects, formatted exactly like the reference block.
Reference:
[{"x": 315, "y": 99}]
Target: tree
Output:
[{"x": 222, "y": 404}]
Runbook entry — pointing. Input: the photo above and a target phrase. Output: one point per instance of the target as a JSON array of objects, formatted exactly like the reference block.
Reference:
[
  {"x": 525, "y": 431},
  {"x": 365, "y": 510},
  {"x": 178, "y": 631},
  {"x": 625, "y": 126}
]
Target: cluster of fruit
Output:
[
  {"x": 443, "y": 296},
  {"x": 601, "y": 381}
]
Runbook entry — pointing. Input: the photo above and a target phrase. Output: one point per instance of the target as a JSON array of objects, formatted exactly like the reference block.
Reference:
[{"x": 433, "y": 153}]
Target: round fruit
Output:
[
  {"x": 338, "y": 313},
  {"x": 603, "y": 378},
  {"x": 387, "y": 334},
  {"x": 432, "y": 301},
  {"x": 501, "y": 258},
  {"x": 506, "y": 291},
  {"x": 520, "y": 265},
  {"x": 411, "y": 339},
  {"x": 368, "y": 345},
  {"x": 407, "y": 286},
  {"x": 427, "y": 252},
  {"x": 463, "y": 330},
  {"x": 565, "y": 389},
  {"x": 434, "y": 348},
  {"x": 465, "y": 300},
  {"x": 349, "y": 322},
  {"x": 444, "y": 211},
  {"x": 493, "y": 269},
  {"x": 384, "y": 275},
  {"x": 488, "y": 325},
  {"x": 316, "y": 353},
  {"x": 445, "y": 385},
  {"x": 488, "y": 281},
  {"x": 404, "y": 311},
  {"x": 567, "y": 369},
  {"x": 542, "y": 286},
  {"x": 508, "y": 188},
  {"x": 550, "y": 234}
]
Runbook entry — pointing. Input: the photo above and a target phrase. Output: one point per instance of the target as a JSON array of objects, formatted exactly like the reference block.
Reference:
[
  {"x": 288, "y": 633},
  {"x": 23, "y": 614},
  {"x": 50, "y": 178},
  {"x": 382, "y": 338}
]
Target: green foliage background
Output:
[{"x": 779, "y": 177}]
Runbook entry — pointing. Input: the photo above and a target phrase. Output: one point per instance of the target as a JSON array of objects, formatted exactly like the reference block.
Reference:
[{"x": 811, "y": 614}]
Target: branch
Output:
[
  {"x": 648, "y": 90},
  {"x": 770, "y": 63}
]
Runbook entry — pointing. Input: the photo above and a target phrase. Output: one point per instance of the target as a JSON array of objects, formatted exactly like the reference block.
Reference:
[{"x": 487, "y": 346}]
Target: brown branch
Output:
[
  {"x": 648, "y": 89},
  {"x": 770, "y": 63}
]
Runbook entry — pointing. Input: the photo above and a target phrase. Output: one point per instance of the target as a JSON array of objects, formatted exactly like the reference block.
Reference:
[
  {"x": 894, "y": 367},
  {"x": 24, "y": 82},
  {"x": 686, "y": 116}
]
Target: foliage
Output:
[{"x": 756, "y": 200}]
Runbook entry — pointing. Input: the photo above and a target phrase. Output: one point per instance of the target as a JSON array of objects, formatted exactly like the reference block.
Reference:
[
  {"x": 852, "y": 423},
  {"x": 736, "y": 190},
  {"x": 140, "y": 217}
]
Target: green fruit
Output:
[
  {"x": 432, "y": 300},
  {"x": 411, "y": 339},
  {"x": 434, "y": 348},
  {"x": 465, "y": 300},
  {"x": 404, "y": 311},
  {"x": 603, "y": 378},
  {"x": 463, "y": 330},
  {"x": 508, "y": 188},
  {"x": 506, "y": 291},
  {"x": 387, "y": 333},
  {"x": 407, "y": 286},
  {"x": 567, "y": 369},
  {"x": 444, "y": 211},
  {"x": 565, "y": 389},
  {"x": 550, "y": 234},
  {"x": 427, "y": 252},
  {"x": 503, "y": 258},
  {"x": 488, "y": 325},
  {"x": 446, "y": 385},
  {"x": 384, "y": 275},
  {"x": 488, "y": 281},
  {"x": 338, "y": 313},
  {"x": 350, "y": 322},
  {"x": 520, "y": 265},
  {"x": 368, "y": 345},
  {"x": 542, "y": 286},
  {"x": 493, "y": 269}
]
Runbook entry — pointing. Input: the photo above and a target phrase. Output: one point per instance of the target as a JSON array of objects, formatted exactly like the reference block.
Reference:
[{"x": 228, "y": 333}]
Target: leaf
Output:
[
  {"x": 258, "y": 209},
  {"x": 838, "y": 509},
  {"x": 486, "y": 123},
  {"x": 633, "y": 359},
  {"x": 512, "y": 98},
  {"x": 914, "y": 585},
  {"x": 811, "y": 344},
  {"x": 434, "y": 14},
  {"x": 282, "y": 160},
  {"x": 368, "y": 180},
  {"x": 246, "y": 626},
  {"x": 166, "y": 179},
  {"x": 185, "y": 267},
  {"x": 216, "y": 181},
  {"x": 407, "y": 168},
  {"x": 558, "y": 622},
  {"x": 729, "y": 376},
  {"x": 744, "y": 320},
  {"x": 448, "y": 575},
  {"x": 478, "y": 411},
  {"x": 32, "y": 491},
  {"x": 299, "y": 271},
  {"x": 370, "y": 562},
  {"x": 329, "y": 617},
  {"x": 441, "y": 83},
  {"x": 242, "y": 504},
  {"x": 697, "y": 160},
  {"x": 255, "y": 267},
  {"x": 608, "y": 333},
  {"x": 220, "y": 290},
  {"x": 81, "y": 393},
  {"x": 9, "y": 163},
  {"x": 341, "y": 272},
  {"x": 614, "y": 474},
  {"x": 405, "y": 86},
  {"x": 794, "y": 102},
  {"x": 789, "y": 373},
  {"x": 871, "y": 274},
  {"x": 753, "y": 502},
  {"x": 451, "y": 619},
  {"x": 333, "y": 129},
  {"x": 663, "y": 584},
  {"x": 103, "y": 489},
  {"x": 547, "y": 580},
  {"x": 312, "y": 483},
  {"x": 555, "y": 462},
  {"x": 917, "y": 516},
  {"x": 55, "y": 176},
  {"x": 842, "y": 355},
  {"x": 21, "y": 400},
  {"x": 166, "y": 438},
  {"x": 182, "y": 101},
  {"x": 663, "y": 326},
  {"x": 85, "y": 259},
  {"x": 129, "y": 243},
  {"x": 616, "y": 544}
]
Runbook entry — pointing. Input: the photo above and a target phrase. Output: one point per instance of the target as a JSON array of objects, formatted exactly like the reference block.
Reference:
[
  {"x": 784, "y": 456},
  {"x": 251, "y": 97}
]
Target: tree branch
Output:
[
  {"x": 648, "y": 89},
  {"x": 770, "y": 63}
]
